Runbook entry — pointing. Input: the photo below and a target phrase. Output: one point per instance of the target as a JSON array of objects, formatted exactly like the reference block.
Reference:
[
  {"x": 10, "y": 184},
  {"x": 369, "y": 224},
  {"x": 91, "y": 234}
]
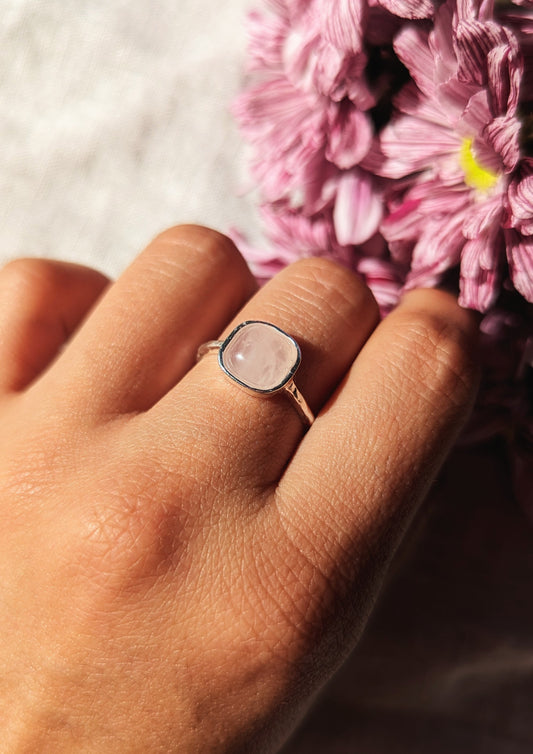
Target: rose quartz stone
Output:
[{"x": 260, "y": 356}]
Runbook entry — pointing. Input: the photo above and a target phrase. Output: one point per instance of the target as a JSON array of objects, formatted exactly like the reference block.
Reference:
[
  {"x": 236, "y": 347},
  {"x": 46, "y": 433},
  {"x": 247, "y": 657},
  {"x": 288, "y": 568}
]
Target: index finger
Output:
[{"x": 363, "y": 468}]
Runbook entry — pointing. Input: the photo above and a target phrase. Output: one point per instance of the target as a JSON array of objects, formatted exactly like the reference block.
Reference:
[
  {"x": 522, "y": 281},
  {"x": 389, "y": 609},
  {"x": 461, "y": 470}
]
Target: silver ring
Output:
[{"x": 262, "y": 359}]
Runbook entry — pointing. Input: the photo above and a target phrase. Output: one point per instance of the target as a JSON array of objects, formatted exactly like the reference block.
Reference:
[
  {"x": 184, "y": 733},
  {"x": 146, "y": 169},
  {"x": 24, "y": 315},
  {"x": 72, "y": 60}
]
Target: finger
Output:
[
  {"x": 330, "y": 313},
  {"x": 360, "y": 473},
  {"x": 144, "y": 334},
  {"x": 42, "y": 302}
]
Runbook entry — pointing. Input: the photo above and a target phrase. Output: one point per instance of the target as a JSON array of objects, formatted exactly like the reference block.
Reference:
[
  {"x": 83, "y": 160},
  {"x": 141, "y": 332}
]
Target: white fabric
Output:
[{"x": 115, "y": 123}]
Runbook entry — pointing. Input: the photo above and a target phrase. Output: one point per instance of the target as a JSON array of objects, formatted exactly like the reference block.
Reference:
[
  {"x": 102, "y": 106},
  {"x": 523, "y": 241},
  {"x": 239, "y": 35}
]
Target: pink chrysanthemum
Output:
[
  {"x": 310, "y": 120},
  {"x": 306, "y": 116},
  {"x": 467, "y": 194}
]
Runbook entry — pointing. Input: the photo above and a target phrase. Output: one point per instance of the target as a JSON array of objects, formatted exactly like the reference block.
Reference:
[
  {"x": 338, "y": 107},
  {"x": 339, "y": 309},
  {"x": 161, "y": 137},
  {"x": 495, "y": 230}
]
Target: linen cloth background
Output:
[{"x": 114, "y": 124}]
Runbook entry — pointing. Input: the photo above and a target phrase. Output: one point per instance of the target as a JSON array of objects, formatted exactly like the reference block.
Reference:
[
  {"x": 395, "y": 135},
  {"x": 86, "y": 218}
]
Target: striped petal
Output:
[
  {"x": 358, "y": 208},
  {"x": 520, "y": 257}
]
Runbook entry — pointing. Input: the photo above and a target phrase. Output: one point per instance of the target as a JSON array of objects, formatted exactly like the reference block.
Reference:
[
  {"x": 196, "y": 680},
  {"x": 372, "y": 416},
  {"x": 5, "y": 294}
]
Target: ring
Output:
[{"x": 262, "y": 359}]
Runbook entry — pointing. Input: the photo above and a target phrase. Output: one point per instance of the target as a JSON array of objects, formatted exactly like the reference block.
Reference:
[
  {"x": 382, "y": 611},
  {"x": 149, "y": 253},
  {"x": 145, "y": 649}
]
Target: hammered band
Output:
[{"x": 262, "y": 359}]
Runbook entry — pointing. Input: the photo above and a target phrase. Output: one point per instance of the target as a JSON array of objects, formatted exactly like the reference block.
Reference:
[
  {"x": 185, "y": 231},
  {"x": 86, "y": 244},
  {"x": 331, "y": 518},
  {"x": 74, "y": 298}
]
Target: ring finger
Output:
[{"x": 330, "y": 313}]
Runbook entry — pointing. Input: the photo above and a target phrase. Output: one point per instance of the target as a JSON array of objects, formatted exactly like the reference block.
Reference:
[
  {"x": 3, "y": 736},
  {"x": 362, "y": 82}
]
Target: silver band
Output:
[
  {"x": 300, "y": 404},
  {"x": 285, "y": 383},
  {"x": 210, "y": 346}
]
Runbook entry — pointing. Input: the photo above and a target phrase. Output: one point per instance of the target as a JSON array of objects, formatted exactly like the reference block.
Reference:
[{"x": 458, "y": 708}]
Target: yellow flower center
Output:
[{"x": 476, "y": 176}]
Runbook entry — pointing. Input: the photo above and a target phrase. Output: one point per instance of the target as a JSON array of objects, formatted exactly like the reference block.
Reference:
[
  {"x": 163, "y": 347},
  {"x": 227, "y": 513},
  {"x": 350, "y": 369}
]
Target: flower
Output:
[
  {"x": 456, "y": 141},
  {"x": 306, "y": 117},
  {"x": 309, "y": 117},
  {"x": 457, "y": 188}
]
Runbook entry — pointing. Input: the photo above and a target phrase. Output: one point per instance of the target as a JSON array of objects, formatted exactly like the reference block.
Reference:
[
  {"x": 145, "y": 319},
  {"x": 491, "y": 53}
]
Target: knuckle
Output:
[
  {"x": 197, "y": 252},
  {"x": 209, "y": 243},
  {"x": 27, "y": 275},
  {"x": 122, "y": 540},
  {"x": 323, "y": 280},
  {"x": 442, "y": 356},
  {"x": 323, "y": 271},
  {"x": 132, "y": 527}
]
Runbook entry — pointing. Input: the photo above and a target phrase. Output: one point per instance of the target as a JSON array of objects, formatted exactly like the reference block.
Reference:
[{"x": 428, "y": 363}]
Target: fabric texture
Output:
[{"x": 114, "y": 124}]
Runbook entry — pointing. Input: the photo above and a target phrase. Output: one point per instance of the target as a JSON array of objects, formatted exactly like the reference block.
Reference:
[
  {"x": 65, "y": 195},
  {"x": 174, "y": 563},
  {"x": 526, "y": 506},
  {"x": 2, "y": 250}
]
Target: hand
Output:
[{"x": 181, "y": 566}]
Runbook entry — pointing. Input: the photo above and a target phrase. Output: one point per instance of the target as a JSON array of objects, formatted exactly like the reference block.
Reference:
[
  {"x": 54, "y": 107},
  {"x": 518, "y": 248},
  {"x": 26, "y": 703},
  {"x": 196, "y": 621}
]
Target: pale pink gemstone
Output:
[{"x": 260, "y": 356}]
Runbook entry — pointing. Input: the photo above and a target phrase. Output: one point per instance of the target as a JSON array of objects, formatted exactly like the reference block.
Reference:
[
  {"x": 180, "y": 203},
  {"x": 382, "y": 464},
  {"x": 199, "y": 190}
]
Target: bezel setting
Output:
[{"x": 233, "y": 338}]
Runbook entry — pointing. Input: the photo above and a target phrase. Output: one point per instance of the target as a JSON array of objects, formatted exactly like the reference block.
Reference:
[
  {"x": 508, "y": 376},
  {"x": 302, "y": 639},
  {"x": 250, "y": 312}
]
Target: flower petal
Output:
[
  {"x": 409, "y": 8},
  {"x": 266, "y": 37},
  {"x": 342, "y": 22},
  {"x": 384, "y": 280},
  {"x": 520, "y": 257},
  {"x": 441, "y": 43},
  {"x": 438, "y": 249},
  {"x": 521, "y": 194},
  {"x": 503, "y": 137},
  {"x": 286, "y": 129},
  {"x": 358, "y": 208},
  {"x": 477, "y": 114},
  {"x": 505, "y": 70},
  {"x": 483, "y": 216},
  {"x": 479, "y": 287},
  {"x": 350, "y": 135},
  {"x": 481, "y": 10},
  {"x": 473, "y": 41},
  {"x": 410, "y": 145},
  {"x": 404, "y": 222},
  {"x": 314, "y": 64},
  {"x": 411, "y": 46}
]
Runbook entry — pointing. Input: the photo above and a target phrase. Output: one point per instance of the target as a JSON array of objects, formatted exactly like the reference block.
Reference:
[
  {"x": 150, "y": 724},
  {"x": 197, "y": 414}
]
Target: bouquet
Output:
[{"x": 396, "y": 136}]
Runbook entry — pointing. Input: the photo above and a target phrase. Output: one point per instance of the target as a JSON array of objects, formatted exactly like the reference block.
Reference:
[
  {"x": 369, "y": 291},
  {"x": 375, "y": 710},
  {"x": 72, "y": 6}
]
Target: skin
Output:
[{"x": 182, "y": 567}]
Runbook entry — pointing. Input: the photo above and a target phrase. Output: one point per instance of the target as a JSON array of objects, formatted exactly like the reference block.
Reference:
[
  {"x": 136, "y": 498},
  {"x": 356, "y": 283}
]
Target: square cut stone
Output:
[{"x": 260, "y": 356}]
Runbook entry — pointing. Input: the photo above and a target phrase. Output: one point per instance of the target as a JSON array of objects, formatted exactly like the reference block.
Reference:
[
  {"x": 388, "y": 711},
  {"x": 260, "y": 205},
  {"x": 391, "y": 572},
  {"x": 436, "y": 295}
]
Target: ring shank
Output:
[
  {"x": 300, "y": 404},
  {"x": 210, "y": 346}
]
